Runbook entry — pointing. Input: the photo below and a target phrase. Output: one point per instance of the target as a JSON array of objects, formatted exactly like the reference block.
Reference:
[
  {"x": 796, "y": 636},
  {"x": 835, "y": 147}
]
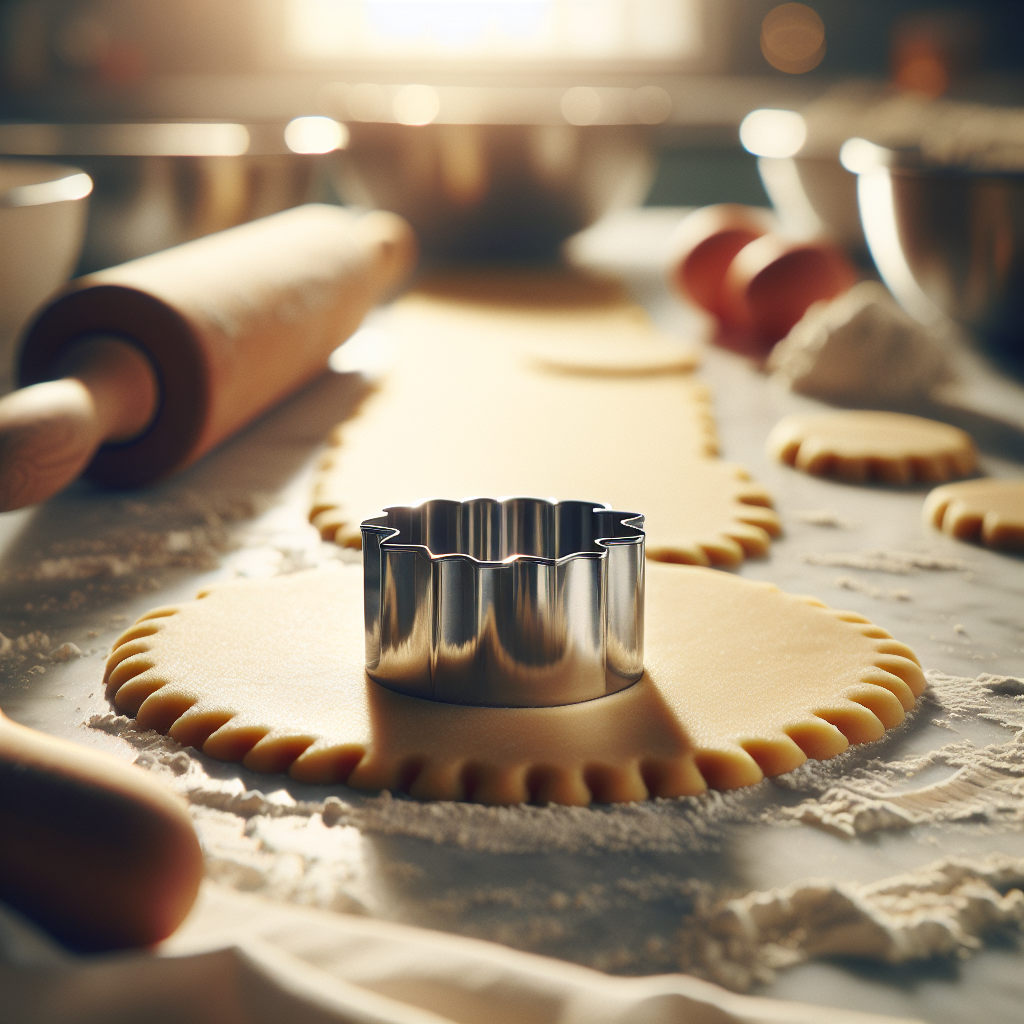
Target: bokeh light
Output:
[
  {"x": 315, "y": 135},
  {"x": 651, "y": 104},
  {"x": 793, "y": 38},
  {"x": 775, "y": 133},
  {"x": 416, "y": 104},
  {"x": 581, "y": 105}
]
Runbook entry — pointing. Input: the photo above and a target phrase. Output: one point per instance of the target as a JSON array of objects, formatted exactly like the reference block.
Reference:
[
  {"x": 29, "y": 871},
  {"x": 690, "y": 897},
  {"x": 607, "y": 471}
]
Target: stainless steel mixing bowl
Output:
[
  {"x": 496, "y": 191},
  {"x": 946, "y": 236},
  {"x": 160, "y": 184}
]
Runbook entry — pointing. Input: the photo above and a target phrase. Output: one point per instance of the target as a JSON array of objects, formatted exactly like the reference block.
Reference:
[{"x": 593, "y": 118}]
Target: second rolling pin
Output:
[{"x": 137, "y": 371}]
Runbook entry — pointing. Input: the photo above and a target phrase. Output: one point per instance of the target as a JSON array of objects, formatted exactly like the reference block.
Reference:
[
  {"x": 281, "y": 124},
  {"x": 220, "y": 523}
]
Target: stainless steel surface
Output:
[
  {"x": 962, "y": 235},
  {"x": 518, "y": 602},
  {"x": 161, "y": 184},
  {"x": 496, "y": 191},
  {"x": 948, "y": 240}
]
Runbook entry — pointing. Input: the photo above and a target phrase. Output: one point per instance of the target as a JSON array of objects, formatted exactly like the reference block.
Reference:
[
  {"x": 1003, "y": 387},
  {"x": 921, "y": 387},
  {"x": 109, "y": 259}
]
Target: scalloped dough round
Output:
[
  {"x": 465, "y": 413},
  {"x": 989, "y": 511},
  {"x": 857, "y": 446},
  {"x": 742, "y": 681}
]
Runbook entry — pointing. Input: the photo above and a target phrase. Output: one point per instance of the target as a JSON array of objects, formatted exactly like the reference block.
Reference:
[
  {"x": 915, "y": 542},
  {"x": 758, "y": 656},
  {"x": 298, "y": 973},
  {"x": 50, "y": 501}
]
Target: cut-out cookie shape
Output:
[
  {"x": 742, "y": 681},
  {"x": 989, "y": 511},
  {"x": 614, "y": 355},
  {"x": 462, "y": 414},
  {"x": 858, "y": 446}
]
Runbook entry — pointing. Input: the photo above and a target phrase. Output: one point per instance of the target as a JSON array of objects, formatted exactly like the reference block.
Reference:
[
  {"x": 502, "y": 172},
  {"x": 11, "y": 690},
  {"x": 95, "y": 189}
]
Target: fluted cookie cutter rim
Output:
[{"x": 504, "y": 602}]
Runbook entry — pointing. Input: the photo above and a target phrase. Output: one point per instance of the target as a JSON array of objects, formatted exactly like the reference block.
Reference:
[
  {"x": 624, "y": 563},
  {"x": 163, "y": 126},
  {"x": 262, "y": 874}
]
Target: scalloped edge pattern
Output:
[
  {"x": 793, "y": 441},
  {"x": 957, "y": 512},
  {"x": 860, "y": 713}
]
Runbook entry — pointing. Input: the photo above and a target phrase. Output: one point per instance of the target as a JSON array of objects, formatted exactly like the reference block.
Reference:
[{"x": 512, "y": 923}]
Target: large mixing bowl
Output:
[
  {"x": 496, "y": 191},
  {"x": 947, "y": 238},
  {"x": 160, "y": 184},
  {"x": 42, "y": 223}
]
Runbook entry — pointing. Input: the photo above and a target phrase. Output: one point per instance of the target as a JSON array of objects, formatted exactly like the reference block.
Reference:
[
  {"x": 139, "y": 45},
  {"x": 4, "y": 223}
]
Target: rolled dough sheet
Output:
[
  {"x": 989, "y": 511},
  {"x": 466, "y": 412},
  {"x": 742, "y": 681},
  {"x": 857, "y": 446}
]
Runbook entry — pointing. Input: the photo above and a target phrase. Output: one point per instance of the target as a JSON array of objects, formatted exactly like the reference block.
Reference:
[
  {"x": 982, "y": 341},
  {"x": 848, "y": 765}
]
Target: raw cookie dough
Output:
[
  {"x": 989, "y": 511},
  {"x": 463, "y": 413},
  {"x": 858, "y": 446},
  {"x": 742, "y": 681},
  {"x": 618, "y": 353}
]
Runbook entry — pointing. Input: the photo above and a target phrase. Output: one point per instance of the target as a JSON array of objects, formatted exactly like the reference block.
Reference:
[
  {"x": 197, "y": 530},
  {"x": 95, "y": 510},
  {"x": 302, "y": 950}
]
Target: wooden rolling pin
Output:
[
  {"x": 137, "y": 371},
  {"x": 96, "y": 851}
]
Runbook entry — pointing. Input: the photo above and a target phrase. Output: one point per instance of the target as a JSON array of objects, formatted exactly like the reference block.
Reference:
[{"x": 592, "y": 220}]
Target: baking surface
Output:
[{"x": 608, "y": 888}]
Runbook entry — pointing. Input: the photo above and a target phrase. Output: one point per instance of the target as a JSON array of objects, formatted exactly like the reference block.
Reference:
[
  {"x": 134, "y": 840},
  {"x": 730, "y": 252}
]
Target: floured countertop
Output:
[{"x": 883, "y": 880}]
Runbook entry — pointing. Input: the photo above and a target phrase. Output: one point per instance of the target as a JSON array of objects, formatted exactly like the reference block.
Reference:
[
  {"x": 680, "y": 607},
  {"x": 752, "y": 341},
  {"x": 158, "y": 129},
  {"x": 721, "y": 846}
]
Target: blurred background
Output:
[{"x": 497, "y": 126}]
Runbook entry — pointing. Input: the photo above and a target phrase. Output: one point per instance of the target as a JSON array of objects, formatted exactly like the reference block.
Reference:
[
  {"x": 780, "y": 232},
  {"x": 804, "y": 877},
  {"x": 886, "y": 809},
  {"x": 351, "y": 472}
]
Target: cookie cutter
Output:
[{"x": 512, "y": 602}]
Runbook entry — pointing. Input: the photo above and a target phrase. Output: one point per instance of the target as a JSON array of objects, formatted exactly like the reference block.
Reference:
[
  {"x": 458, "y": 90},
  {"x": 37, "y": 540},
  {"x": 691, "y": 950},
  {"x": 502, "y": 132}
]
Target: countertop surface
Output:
[{"x": 80, "y": 568}]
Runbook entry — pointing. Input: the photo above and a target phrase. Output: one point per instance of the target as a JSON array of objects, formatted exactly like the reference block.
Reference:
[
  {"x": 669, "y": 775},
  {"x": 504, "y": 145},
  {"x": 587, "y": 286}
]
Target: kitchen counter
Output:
[{"x": 77, "y": 570}]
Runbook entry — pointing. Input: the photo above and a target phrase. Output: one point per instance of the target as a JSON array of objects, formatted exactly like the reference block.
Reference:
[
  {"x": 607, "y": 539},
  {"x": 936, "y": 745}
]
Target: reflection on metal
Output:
[
  {"x": 517, "y": 602},
  {"x": 495, "y": 191},
  {"x": 388, "y": 103},
  {"x": 170, "y": 139},
  {"x": 878, "y": 218},
  {"x": 61, "y": 190},
  {"x": 878, "y": 215}
]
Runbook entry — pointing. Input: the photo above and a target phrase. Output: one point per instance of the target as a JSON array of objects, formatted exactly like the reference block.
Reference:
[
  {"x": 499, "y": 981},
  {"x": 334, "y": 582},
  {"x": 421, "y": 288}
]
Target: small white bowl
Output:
[{"x": 43, "y": 209}]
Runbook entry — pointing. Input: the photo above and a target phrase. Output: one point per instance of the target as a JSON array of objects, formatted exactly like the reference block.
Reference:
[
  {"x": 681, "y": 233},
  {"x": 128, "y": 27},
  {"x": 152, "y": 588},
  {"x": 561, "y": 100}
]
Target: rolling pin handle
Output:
[{"x": 49, "y": 432}]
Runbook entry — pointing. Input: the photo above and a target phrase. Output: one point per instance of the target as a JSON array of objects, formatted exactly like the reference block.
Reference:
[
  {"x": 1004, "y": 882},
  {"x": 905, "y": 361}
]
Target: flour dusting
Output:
[
  {"x": 946, "y": 908},
  {"x": 824, "y": 517},
  {"x": 311, "y": 851},
  {"x": 137, "y": 541},
  {"x": 985, "y": 784},
  {"x": 863, "y": 587},
  {"x": 901, "y": 563}
]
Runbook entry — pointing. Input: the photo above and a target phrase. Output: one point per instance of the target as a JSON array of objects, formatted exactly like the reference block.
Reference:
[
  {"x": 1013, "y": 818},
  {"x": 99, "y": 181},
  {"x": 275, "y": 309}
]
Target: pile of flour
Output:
[{"x": 327, "y": 852}]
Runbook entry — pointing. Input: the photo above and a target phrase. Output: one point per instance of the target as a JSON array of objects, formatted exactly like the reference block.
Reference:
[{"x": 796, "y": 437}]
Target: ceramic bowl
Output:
[{"x": 43, "y": 208}]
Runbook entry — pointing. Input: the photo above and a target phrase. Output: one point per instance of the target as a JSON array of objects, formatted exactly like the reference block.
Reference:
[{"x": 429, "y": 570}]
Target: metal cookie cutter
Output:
[{"x": 517, "y": 602}]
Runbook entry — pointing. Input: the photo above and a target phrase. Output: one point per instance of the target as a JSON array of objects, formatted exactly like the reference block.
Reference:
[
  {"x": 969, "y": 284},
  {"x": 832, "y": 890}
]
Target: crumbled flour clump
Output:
[
  {"x": 942, "y": 909},
  {"x": 860, "y": 348}
]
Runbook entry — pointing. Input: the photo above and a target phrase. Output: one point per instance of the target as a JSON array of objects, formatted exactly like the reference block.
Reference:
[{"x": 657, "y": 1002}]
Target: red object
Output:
[
  {"x": 704, "y": 246},
  {"x": 771, "y": 283}
]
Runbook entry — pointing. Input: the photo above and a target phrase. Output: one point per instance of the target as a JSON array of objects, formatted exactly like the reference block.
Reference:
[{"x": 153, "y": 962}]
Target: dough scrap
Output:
[
  {"x": 857, "y": 446},
  {"x": 270, "y": 673},
  {"x": 464, "y": 413},
  {"x": 989, "y": 511}
]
